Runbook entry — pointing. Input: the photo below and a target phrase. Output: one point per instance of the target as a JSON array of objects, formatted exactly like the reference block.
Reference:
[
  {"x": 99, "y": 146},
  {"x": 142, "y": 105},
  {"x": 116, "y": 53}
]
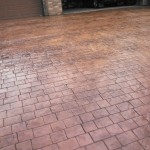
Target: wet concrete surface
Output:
[{"x": 79, "y": 81}]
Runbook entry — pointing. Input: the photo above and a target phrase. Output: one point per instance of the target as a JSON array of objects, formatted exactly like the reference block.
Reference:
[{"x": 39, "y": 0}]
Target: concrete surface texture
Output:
[{"x": 76, "y": 82}]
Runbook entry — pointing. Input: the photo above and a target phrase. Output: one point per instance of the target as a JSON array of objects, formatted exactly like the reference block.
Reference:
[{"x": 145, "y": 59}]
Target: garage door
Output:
[{"x": 20, "y": 8}]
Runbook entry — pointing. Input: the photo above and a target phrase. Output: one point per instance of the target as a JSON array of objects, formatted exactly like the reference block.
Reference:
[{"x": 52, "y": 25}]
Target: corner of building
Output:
[{"x": 52, "y": 7}]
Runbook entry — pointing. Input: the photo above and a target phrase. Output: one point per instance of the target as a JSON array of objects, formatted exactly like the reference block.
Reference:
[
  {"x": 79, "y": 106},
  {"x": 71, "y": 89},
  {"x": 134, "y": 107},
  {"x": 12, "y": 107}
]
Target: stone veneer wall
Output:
[{"x": 52, "y": 7}]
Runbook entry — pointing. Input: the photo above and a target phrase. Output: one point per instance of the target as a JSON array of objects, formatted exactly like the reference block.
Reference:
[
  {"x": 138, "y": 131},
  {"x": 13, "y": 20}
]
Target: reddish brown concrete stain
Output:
[{"x": 76, "y": 82}]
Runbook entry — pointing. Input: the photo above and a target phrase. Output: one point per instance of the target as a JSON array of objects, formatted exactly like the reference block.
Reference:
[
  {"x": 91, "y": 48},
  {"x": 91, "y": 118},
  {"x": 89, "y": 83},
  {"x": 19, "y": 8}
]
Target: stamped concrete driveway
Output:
[{"x": 78, "y": 81}]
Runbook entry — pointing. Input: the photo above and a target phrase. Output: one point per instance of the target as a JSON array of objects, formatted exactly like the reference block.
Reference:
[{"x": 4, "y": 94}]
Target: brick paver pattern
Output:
[{"x": 76, "y": 82}]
